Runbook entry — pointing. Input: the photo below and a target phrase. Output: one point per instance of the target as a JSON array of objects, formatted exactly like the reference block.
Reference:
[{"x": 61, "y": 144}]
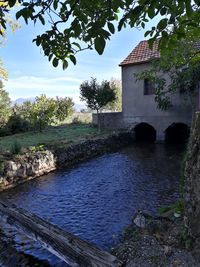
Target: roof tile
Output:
[{"x": 141, "y": 53}]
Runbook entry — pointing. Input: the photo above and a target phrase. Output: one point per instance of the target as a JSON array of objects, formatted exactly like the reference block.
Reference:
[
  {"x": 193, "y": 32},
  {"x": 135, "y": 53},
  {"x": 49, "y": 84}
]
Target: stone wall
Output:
[
  {"x": 29, "y": 166},
  {"x": 192, "y": 176},
  {"x": 109, "y": 120},
  {"x": 90, "y": 148},
  {"x": 26, "y": 167}
]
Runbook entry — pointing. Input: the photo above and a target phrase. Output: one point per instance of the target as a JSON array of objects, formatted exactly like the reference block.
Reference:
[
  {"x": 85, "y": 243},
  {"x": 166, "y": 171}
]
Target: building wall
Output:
[
  {"x": 137, "y": 107},
  {"x": 134, "y": 102}
]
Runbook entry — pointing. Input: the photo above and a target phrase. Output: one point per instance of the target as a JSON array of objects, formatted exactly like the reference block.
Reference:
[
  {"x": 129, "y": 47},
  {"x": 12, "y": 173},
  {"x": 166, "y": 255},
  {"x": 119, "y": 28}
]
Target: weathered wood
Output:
[{"x": 64, "y": 245}]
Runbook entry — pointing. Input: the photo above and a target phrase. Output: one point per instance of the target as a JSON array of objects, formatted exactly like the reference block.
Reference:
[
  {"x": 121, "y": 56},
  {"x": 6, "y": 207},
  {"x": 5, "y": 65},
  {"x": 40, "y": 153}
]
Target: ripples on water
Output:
[{"x": 97, "y": 199}]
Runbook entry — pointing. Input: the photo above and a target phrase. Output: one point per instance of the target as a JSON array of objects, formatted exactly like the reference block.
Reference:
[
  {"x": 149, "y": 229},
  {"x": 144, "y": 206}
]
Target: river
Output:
[{"x": 97, "y": 199}]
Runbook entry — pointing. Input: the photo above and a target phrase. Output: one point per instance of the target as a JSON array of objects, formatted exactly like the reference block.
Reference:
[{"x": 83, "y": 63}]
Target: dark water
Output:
[{"x": 97, "y": 199}]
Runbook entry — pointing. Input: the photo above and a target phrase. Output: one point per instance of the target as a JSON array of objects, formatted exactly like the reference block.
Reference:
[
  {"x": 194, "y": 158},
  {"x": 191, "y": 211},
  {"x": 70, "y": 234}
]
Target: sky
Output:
[{"x": 31, "y": 74}]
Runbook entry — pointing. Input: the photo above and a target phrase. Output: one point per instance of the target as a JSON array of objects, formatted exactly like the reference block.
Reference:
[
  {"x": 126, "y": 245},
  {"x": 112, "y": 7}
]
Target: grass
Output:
[
  {"x": 53, "y": 135},
  {"x": 176, "y": 207}
]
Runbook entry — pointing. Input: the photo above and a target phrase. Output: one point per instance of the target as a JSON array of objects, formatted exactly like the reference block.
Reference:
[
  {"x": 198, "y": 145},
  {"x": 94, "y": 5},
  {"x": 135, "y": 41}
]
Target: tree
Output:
[
  {"x": 76, "y": 25},
  {"x": 45, "y": 110},
  {"x": 5, "y": 106},
  {"x": 96, "y": 95},
  {"x": 115, "y": 105},
  {"x": 182, "y": 65},
  {"x": 64, "y": 108}
]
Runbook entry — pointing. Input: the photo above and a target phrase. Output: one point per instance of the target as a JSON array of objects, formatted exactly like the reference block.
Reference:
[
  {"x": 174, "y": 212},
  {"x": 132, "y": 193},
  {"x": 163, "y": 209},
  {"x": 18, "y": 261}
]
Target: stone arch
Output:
[
  {"x": 145, "y": 132},
  {"x": 177, "y": 133}
]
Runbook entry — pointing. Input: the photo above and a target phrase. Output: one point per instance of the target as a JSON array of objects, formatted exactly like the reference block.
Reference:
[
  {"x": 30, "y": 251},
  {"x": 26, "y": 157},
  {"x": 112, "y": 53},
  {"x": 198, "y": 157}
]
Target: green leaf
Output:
[
  {"x": 42, "y": 19},
  {"x": 55, "y": 62},
  {"x": 121, "y": 24},
  {"x": 38, "y": 41},
  {"x": 111, "y": 27},
  {"x": 163, "y": 11},
  {"x": 50, "y": 57},
  {"x": 73, "y": 59},
  {"x": 147, "y": 33},
  {"x": 151, "y": 12},
  {"x": 136, "y": 11},
  {"x": 12, "y": 3},
  {"x": 162, "y": 24},
  {"x": 143, "y": 25},
  {"x": 99, "y": 44},
  {"x": 77, "y": 45},
  {"x": 55, "y": 4},
  {"x": 18, "y": 14},
  {"x": 65, "y": 64},
  {"x": 151, "y": 42}
]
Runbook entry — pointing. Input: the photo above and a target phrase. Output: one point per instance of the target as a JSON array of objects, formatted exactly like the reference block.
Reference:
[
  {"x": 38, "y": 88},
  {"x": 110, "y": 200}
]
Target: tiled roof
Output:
[{"x": 141, "y": 53}]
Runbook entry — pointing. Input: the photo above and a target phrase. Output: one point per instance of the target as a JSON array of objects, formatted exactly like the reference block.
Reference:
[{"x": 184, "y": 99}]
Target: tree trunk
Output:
[
  {"x": 192, "y": 186},
  {"x": 98, "y": 121}
]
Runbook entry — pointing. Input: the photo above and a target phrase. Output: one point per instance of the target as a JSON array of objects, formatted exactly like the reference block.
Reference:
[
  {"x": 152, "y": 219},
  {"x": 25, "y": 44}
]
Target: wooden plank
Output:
[{"x": 64, "y": 245}]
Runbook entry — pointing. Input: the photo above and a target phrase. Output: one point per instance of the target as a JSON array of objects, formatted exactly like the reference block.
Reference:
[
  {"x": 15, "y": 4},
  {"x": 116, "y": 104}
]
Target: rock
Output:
[
  {"x": 167, "y": 251},
  {"x": 140, "y": 220}
]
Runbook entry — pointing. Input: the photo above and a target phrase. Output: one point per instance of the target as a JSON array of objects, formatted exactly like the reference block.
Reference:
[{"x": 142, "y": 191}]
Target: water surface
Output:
[{"x": 97, "y": 199}]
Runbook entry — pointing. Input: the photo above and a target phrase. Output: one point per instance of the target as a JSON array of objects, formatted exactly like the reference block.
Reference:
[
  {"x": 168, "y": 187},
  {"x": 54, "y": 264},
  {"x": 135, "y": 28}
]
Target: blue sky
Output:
[{"x": 31, "y": 74}]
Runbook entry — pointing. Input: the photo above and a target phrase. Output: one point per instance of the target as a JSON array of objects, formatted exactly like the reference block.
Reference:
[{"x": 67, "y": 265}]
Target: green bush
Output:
[
  {"x": 16, "y": 148},
  {"x": 5, "y": 131},
  {"x": 40, "y": 147},
  {"x": 17, "y": 125}
]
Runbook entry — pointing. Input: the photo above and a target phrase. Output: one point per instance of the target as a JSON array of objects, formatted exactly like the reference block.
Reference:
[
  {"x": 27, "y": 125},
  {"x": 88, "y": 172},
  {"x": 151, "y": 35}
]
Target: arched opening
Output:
[
  {"x": 145, "y": 132},
  {"x": 177, "y": 133}
]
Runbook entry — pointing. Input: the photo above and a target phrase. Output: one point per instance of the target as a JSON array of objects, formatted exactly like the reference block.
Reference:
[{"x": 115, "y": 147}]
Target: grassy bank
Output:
[{"x": 54, "y": 135}]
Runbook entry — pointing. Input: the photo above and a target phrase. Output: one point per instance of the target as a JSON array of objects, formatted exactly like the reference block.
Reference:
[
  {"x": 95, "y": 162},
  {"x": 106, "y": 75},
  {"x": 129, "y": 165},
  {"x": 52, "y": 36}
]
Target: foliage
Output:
[
  {"x": 184, "y": 237},
  {"x": 16, "y": 124},
  {"x": 177, "y": 208},
  {"x": 16, "y": 148},
  {"x": 45, "y": 111},
  {"x": 37, "y": 148},
  {"x": 96, "y": 95},
  {"x": 3, "y": 72},
  {"x": 74, "y": 25},
  {"x": 182, "y": 65},
  {"x": 64, "y": 108},
  {"x": 5, "y": 108},
  {"x": 115, "y": 105}
]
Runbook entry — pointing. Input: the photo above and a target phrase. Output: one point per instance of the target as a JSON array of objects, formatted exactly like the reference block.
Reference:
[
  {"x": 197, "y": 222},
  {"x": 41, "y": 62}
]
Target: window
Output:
[{"x": 149, "y": 87}]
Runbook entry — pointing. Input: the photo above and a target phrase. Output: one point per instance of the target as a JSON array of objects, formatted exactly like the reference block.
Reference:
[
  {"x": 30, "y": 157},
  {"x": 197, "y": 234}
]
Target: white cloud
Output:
[{"x": 29, "y": 86}]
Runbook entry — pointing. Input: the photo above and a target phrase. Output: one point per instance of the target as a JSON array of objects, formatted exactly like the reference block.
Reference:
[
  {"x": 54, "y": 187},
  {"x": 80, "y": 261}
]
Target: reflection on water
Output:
[{"x": 97, "y": 199}]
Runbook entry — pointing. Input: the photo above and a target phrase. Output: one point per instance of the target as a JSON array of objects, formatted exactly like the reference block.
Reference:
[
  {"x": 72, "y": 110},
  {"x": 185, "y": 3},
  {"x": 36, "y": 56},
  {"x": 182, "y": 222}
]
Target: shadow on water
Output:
[{"x": 97, "y": 199}]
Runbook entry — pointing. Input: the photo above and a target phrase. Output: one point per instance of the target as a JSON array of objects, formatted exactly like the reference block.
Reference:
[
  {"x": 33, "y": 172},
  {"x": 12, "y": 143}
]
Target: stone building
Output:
[{"x": 139, "y": 109}]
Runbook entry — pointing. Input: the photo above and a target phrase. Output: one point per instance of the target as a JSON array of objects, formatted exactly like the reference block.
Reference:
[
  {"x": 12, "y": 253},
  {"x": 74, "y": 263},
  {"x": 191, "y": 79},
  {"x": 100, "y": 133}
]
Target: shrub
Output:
[
  {"x": 4, "y": 131},
  {"x": 40, "y": 147},
  {"x": 16, "y": 124},
  {"x": 15, "y": 148}
]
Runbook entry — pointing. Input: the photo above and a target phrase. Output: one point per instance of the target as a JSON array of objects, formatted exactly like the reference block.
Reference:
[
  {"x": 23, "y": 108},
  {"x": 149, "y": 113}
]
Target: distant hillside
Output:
[{"x": 22, "y": 100}]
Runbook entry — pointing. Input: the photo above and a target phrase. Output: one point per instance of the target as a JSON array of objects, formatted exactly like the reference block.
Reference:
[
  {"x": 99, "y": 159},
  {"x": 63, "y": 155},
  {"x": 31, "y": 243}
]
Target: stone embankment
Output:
[{"x": 30, "y": 165}]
